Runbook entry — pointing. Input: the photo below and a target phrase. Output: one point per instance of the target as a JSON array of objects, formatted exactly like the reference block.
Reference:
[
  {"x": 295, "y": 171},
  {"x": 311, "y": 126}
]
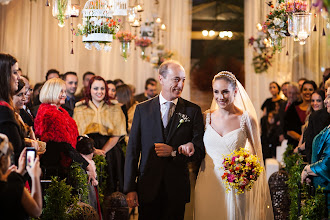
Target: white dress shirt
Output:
[{"x": 163, "y": 107}]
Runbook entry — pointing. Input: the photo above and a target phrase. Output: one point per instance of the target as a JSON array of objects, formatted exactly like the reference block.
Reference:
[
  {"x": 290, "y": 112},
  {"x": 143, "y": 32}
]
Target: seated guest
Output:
[
  {"x": 150, "y": 91},
  {"x": 71, "y": 83},
  {"x": 319, "y": 169},
  {"x": 318, "y": 120},
  {"x": 86, "y": 77},
  {"x": 296, "y": 115},
  {"x": 16, "y": 202},
  {"x": 54, "y": 126},
  {"x": 104, "y": 122}
]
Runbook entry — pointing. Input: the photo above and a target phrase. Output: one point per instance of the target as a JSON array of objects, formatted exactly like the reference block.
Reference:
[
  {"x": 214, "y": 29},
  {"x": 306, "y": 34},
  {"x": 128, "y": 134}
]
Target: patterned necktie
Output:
[{"x": 167, "y": 114}]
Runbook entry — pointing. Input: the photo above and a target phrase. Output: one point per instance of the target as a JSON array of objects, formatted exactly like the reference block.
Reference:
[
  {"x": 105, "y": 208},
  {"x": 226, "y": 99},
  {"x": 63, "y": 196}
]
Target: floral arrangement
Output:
[
  {"x": 183, "y": 119},
  {"x": 296, "y": 6},
  {"x": 125, "y": 36},
  {"x": 62, "y": 7},
  {"x": 276, "y": 24},
  {"x": 262, "y": 52},
  {"x": 161, "y": 58},
  {"x": 94, "y": 25},
  {"x": 241, "y": 171},
  {"x": 143, "y": 42}
]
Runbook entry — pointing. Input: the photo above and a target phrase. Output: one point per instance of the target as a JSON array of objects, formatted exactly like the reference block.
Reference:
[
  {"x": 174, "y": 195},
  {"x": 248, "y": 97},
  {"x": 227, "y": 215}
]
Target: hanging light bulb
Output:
[
  {"x": 303, "y": 26},
  {"x": 205, "y": 33},
  {"x": 211, "y": 33},
  {"x": 139, "y": 8},
  {"x": 259, "y": 27},
  {"x": 136, "y": 23},
  {"x": 163, "y": 27},
  {"x": 4, "y": 2},
  {"x": 158, "y": 20},
  {"x": 131, "y": 14}
]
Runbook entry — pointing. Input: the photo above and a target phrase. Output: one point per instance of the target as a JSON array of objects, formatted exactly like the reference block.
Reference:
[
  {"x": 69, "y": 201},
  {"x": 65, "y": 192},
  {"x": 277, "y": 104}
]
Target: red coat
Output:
[{"x": 52, "y": 124}]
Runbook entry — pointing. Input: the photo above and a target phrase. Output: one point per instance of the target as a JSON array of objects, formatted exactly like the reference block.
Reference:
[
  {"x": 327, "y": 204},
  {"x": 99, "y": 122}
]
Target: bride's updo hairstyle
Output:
[{"x": 226, "y": 75}]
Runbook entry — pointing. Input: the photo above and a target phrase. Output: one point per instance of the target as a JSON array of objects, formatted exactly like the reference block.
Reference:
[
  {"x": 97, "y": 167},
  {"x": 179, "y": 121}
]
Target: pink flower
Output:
[{"x": 231, "y": 178}]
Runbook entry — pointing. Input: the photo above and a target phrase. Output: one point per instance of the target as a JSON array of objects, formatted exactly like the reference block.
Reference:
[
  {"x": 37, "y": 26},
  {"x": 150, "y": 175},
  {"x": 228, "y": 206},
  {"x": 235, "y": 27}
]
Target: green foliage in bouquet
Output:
[
  {"x": 58, "y": 199},
  {"x": 78, "y": 179},
  {"x": 314, "y": 206},
  {"x": 101, "y": 165}
]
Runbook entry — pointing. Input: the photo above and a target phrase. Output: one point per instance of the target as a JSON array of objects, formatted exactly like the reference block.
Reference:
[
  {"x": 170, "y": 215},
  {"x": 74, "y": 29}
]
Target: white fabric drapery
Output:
[
  {"x": 307, "y": 61},
  {"x": 30, "y": 33}
]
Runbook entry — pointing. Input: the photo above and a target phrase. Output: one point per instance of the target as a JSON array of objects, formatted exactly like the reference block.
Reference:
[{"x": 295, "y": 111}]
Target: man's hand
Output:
[
  {"x": 132, "y": 199},
  {"x": 187, "y": 149},
  {"x": 163, "y": 150}
]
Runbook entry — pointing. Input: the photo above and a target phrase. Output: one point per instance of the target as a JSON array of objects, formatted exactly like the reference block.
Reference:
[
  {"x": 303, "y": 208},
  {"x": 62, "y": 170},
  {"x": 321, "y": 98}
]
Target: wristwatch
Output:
[{"x": 173, "y": 153}]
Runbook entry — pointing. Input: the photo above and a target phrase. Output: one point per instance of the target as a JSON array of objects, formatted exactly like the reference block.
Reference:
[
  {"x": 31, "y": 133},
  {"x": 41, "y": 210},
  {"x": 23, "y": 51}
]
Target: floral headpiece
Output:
[{"x": 227, "y": 74}]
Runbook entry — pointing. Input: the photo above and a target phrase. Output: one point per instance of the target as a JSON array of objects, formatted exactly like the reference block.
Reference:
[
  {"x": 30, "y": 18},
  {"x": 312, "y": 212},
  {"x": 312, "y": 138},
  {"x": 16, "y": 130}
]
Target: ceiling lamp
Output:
[
  {"x": 302, "y": 23},
  {"x": 158, "y": 20},
  {"x": 223, "y": 34},
  {"x": 211, "y": 33},
  {"x": 205, "y": 33},
  {"x": 136, "y": 23},
  {"x": 119, "y": 7},
  {"x": 163, "y": 27}
]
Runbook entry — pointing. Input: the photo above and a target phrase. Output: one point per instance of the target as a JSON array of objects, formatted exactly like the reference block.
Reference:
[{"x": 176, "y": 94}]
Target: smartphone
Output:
[{"x": 30, "y": 156}]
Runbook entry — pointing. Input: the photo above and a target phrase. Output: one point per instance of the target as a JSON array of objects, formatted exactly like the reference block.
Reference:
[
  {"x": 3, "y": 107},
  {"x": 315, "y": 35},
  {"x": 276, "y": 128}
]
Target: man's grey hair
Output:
[{"x": 165, "y": 67}]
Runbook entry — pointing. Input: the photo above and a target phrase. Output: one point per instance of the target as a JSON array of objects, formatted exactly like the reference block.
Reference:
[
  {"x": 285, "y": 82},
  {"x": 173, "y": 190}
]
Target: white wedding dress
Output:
[{"x": 211, "y": 200}]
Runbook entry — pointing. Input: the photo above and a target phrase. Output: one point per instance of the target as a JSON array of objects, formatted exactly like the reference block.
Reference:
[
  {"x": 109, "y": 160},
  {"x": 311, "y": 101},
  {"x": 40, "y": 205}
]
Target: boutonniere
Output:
[{"x": 183, "y": 118}]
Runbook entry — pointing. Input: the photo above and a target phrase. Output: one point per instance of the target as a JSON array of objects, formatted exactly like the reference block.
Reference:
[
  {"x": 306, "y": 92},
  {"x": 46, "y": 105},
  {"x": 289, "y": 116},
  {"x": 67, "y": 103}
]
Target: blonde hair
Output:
[
  {"x": 51, "y": 90},
  {"x": 327, "y": 84}
]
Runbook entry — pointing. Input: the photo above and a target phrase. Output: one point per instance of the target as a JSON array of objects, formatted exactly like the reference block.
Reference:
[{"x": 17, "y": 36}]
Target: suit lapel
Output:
[
  {"x": 180, "y": 108},
  {"x": 157, "y": 118}
]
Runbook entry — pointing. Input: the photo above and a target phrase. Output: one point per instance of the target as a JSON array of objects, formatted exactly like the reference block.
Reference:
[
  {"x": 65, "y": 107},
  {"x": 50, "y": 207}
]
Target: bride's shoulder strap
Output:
[{"x": 207, "y": 116}]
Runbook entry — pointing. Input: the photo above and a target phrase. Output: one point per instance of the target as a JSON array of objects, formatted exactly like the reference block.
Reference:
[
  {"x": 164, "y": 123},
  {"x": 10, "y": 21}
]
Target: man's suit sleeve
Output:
[
  {"x": 132, "y": 154},
  {"x": 197, "y": 140}
]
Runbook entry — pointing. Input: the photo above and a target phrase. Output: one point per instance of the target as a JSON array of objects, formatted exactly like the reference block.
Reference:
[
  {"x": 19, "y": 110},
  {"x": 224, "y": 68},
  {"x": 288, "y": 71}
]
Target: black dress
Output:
[
  {"x": 292, "y": 122},
  {"x": 271, "y": 106},
  {"x": 11, "y": 198},
  {"x": 10, "y": 127}
]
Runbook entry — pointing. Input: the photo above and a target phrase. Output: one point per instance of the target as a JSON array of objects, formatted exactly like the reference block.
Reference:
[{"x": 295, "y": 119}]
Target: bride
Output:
[{"x": 230, "y": 125}]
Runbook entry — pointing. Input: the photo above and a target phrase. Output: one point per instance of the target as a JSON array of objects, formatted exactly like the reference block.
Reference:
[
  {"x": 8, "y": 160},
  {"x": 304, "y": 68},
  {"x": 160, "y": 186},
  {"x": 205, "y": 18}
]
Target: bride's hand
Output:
[{"x": 187, "y": 149}]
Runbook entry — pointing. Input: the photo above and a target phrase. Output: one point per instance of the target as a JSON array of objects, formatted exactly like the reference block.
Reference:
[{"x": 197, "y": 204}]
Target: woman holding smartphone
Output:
[{"x": 16, "y": 202}]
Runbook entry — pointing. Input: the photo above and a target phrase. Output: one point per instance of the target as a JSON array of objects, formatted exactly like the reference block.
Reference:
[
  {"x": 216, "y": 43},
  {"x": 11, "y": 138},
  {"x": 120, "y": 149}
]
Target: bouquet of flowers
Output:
[
  {"x": 125, "y": 36},
  {"x": 296, "y": 6},
  {"x": 241, "y": 171}
]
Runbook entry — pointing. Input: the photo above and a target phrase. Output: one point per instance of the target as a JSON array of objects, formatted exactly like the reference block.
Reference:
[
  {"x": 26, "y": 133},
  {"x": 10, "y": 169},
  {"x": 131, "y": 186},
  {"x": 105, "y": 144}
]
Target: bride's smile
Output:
[{"x": 223, "y": 92}]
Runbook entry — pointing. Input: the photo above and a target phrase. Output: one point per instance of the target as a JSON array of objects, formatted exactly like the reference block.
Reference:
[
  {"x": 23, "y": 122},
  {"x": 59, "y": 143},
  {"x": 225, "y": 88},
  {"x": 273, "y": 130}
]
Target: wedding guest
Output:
[
  {"x": 85, "y": 146},
  {"x": 118, "y": 82},
  {"x": 318, "y": 120},
  {"x": 125, "y": 97},
  {"x": 54, "y": 126},
  {"x": 150, "y": 91},
  {"x": 86, "y": 77},
  {"x": 301, "y": 82},
  {"x": 270, "y": 132},
  {"x": 297, "y": 112},
  {"x": 35, "y": 98},
  {"x": 8, "y": 85},
  {"x": 16, "y": 201},
  {"x": 111, "y": 89},
  {"x": 284, "y": 89},
  {"x": 326, "y": 76},
  {"x": 25, "y": 112},
  {"x": 133, "y": 89},
  {"x": 293, "y": 93},
  {"x": 317, "y": 103},
  {"x": 52, "y": 73},
  {"x": 319, "y": 169},
  {"x": 104, "y": 122},
  {"x": 71, "y": 83},
  {"x": 275, "y": 101}
]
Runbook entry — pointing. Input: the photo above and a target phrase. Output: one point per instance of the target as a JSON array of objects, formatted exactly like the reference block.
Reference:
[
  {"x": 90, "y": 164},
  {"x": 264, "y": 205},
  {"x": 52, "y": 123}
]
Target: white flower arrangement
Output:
[{"x": 184, "y": 119}]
